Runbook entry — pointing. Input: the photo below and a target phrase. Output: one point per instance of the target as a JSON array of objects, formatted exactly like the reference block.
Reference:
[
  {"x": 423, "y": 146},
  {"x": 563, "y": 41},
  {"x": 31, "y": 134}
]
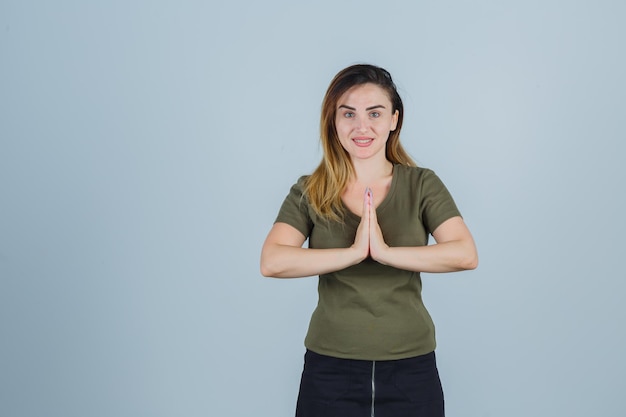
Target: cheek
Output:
[
  {"x": 389, "y": 125},
  {"x": 342, "y": 128}
]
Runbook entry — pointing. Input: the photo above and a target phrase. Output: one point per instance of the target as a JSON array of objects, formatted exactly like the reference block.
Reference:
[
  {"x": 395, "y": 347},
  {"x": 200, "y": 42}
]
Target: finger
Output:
[
  {"x": 372, "y": 209},
  {"x": 374, "y": 227},
  {"x": 366, "y": 201},
  {"x": 365, "y": 215}
]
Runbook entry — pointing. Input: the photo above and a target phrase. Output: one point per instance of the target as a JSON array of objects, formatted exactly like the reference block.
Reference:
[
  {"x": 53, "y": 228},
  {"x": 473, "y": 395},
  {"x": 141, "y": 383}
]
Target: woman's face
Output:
[{"x": 364, "y": 119}]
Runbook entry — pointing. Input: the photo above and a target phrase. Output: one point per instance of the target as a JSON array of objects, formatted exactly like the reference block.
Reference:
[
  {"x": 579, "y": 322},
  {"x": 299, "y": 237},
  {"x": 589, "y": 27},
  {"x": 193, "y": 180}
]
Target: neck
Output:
[{"x": 368, "y": 171}]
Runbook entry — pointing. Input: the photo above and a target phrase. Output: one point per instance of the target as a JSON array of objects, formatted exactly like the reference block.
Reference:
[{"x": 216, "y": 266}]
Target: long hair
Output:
[{"x": 329, "y": 180}]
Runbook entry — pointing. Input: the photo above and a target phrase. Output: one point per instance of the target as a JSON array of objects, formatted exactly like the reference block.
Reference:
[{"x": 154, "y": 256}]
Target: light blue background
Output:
[{"x": 146, "y": 146}]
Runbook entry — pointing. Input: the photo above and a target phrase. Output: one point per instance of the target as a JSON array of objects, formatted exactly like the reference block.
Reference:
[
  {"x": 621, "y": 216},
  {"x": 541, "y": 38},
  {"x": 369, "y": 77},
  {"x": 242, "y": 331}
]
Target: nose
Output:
[{"x": 361, "y": 124}]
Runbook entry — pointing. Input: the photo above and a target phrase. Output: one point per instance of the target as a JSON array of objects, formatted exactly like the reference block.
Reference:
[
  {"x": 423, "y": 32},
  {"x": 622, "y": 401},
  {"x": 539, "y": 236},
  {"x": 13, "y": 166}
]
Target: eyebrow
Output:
[{"x": 378, "y": 106}]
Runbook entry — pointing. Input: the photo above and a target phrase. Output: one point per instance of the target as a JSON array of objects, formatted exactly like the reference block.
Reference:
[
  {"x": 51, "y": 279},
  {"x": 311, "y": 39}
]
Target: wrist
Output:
[
  {"x": 382, "y": 254},
  {"x": 357, "y": 255}
]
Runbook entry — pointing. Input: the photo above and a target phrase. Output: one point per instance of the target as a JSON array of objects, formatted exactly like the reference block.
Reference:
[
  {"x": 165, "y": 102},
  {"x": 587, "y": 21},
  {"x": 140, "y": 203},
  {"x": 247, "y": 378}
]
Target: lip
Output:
[{"x": 362, "y": 141}]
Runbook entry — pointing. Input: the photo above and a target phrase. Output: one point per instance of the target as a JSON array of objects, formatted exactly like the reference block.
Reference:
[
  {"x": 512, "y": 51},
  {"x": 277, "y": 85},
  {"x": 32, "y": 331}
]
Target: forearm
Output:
[
  {"x": 441, "y": 257},
  {"x": 284, "y": 261}
]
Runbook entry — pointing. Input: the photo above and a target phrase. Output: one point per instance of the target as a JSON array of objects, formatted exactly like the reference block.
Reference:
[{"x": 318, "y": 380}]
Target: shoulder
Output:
[
  {"x": 297, "y": 192},
  {"x": 299, "y": 187},
  {"x": 422, "y": 181},
  {"x": 302, "y": 181},
  {"x": 414, "y": 175}
]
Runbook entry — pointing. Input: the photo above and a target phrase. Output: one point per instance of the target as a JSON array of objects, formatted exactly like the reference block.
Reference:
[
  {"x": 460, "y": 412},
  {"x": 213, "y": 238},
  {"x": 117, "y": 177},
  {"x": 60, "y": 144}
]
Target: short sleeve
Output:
[
  {"x": 295, "y": 209},
  {"x": 437, "y": 205}
]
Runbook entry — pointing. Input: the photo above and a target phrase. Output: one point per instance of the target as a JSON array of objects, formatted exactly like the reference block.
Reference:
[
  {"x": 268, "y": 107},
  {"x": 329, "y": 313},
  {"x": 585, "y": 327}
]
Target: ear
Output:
[{"x": 394, "y": 120}]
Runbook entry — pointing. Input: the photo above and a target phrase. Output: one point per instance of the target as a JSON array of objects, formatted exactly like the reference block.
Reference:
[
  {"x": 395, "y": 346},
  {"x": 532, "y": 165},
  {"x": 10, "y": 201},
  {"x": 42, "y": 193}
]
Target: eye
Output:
[
  {"x": 375, "y": 114},
  {"x": 348, "y": 114}
]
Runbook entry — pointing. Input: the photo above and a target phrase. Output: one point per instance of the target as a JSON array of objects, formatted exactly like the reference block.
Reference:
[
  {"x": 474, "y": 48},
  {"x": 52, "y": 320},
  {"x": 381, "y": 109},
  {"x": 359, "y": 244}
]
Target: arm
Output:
[
  {"x": 283, "y": 256},
  {"x": 454, "y": 251}
]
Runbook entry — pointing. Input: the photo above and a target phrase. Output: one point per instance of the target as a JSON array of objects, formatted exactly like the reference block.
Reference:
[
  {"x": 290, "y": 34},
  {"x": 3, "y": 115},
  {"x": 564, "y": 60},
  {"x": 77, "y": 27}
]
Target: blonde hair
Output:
[{"x": 329, "y": 180}]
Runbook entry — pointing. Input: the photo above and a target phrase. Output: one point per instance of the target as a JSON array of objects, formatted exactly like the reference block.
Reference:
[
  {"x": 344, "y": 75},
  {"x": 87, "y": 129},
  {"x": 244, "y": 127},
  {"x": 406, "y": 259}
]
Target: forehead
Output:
[{"x": 365, "y": 95}]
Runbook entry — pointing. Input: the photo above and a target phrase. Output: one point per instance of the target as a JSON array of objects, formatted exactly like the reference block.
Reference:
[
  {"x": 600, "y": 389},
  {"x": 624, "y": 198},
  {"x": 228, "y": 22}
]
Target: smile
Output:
[{"x": 362, "y": 141}]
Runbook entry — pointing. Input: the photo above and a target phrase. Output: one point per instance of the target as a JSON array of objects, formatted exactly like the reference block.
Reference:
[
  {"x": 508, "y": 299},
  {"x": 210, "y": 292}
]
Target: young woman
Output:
[{"x": 367, "y": 211}]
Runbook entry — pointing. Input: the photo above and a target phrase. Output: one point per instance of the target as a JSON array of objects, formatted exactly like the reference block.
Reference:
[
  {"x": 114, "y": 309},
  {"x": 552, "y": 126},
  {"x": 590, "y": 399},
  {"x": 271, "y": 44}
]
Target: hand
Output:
[
  {"x": 369, "y": 239},
  {"x": 362, "y": 238},
  {"x": 377, "y": 245}
]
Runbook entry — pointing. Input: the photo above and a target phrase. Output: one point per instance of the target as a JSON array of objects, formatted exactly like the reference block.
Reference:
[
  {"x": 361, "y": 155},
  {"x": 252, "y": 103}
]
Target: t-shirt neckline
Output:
[{"x": 386, "y": 200}]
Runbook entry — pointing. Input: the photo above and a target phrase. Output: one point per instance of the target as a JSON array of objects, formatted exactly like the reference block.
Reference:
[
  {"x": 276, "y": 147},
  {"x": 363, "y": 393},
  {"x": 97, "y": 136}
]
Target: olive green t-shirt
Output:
[{"x": 370, "y": 311}]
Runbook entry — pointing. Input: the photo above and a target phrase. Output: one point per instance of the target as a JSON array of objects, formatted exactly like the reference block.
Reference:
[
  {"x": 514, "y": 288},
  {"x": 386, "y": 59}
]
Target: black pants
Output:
[{"x": 333, "y": 387}]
